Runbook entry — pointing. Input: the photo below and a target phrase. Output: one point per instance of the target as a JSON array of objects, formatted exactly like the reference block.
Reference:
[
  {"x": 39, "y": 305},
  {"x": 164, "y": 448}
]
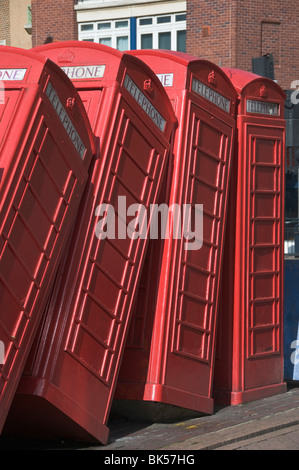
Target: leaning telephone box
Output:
[
  {"x": 169, "y": 356},
  {"x": 72, "y": 373},
  {"x": 249, "y": 357},
  {"x": 46, "y": 146}
]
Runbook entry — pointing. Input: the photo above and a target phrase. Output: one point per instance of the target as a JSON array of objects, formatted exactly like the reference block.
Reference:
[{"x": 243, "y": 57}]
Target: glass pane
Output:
[
  {"x": 29, "y": 15},
  {"x": 104, "y": 25},
  {"x": 146, "y": 41},
  {"x": 121, "y": 24},
  {"x": 165, "y": 41},
  {"x": 145, "y": 21},
  {"x": 86, "y": 27},
  {"x": 122, "y": 43},
  {"x": 88, "y": 40},
  {"x": 181, "y": 41},
  {"x": 180, "y": 17},
  {"x": 163, "y": 19},
  {"x": 105, "y": 41}
]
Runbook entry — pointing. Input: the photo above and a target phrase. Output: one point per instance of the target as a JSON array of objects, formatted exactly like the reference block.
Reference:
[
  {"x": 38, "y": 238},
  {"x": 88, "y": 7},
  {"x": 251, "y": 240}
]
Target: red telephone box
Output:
[
  {"x": 46, "y": 146},
  {"x": 170, "y": 352},
  {"x": 72, "y": 373},
  {"x": 249, "y": 351}
]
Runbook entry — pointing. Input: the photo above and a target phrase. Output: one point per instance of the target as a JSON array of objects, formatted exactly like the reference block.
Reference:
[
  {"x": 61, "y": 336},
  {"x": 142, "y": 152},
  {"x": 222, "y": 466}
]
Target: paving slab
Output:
[
  {"x": 272, "y": 422},
  {"x": 228, "y": 425}
]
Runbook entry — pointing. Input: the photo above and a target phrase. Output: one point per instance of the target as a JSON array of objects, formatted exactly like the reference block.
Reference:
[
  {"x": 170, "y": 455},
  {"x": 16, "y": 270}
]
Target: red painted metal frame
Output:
[
  {"x": 46, "y": 147},
  {"x": 172, "y": 337},
  {"x": 249, "y": 357},
  {"x": 73, "y": 369}
]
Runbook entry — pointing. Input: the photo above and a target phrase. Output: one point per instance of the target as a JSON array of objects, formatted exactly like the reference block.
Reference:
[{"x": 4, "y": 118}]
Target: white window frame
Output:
[
  {"x": 155, "y": 28},
  {"x": 113, "y": 33}
]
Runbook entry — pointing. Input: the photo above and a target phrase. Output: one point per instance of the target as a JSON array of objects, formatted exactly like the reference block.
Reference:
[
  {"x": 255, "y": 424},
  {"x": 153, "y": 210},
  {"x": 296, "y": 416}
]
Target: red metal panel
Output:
[
  {"x": 45, "y": 151},
  {"x": 73, "y": 372},
  {"x": 252, "y": 301},
  {"x": 173, "y": 354}
]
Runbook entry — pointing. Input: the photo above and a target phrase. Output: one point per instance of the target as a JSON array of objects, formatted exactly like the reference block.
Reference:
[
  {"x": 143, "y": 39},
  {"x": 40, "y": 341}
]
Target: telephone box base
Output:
[
  {"x": 50, "y": 419},
  {"x": 158, "y": 394},
  {"x": 237, "y": 398}
]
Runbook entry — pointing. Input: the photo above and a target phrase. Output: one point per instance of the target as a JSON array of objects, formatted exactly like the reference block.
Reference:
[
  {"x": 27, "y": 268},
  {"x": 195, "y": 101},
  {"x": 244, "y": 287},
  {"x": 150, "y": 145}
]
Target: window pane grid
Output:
[
  {"x": 162, "y": 32},
  {"x": 166, "y": 31},
  {"x": 113, "y": 33}
]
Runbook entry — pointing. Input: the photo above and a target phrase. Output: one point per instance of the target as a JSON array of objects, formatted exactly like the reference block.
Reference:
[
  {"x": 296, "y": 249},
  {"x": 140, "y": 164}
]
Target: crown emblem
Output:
[
  {"x": 67, "y": 56},
  {"x": 263, "y": 92},
  {"x": 70, "y": 104},
  {"x": 147, "y": 86},
  {"x": 212, "y": 78}
]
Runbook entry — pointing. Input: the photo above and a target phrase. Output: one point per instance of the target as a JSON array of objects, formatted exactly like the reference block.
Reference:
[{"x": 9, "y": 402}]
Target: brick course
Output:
[
  {"x": 243, "y": 29},
  {"x": 53, "y": 20},
  {"x": 228, "y": 33}
]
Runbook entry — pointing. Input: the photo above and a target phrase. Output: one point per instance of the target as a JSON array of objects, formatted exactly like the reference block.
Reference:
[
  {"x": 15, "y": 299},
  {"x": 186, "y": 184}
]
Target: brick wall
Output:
[
  {"x": 5, "y": 21},
  {"x": 211, "y": 30},
  {"x": 53, "y": 20},
  {"x": 231, "y": 33}
]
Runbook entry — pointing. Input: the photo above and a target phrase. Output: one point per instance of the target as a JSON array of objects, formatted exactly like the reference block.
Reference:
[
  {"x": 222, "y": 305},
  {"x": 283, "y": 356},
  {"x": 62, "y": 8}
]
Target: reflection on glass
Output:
[
  {"x": 122, "y": 43},
  {"x": 165, "y": 41},
  {"x": 105, "y": 41},
  {"x": 86, "y": 27},
  {"x": 163, "y": 19},
  {"x": 145, "y": 21},
  {"x": 180, "y": 17},
  {"x": 181, "y": 41},
  {"x": 146, "y": 41},
  {"x": 121, "y": 24},
  {"x": 104, "y": 26}
]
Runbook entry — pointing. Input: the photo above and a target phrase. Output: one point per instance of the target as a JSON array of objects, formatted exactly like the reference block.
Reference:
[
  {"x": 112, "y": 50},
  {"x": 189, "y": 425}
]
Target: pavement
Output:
[{"x": 267, "y": 424}]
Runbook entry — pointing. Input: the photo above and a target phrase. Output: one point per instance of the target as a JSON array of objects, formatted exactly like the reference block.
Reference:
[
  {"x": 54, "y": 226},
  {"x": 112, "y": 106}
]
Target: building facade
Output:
[
  {"x": 229, "y": 33},
  {"x": 234, "y": 32},
  {"x": 15, "y": 23},
  {"x": 122, "y": 24},
  {"x": 156, "y": 24}
]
